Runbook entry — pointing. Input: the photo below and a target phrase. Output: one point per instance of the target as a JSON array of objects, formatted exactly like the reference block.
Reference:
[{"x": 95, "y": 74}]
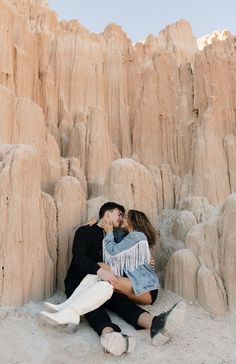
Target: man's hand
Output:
[{"x": 107, "y": 276}]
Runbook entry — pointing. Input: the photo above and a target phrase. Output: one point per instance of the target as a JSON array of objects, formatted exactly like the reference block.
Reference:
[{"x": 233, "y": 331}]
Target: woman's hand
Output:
[
  {"x": 105, "y": 266},
  {"x": 107, "y": 276},
  {"x": 91, "y": 222},
  {"x": 107, "y": 226},
  {"x": 152, "y": 262}
]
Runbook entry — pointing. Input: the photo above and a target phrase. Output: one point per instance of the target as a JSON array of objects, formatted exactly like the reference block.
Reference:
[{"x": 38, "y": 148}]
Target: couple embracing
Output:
[{"x": 111, "y": 270}]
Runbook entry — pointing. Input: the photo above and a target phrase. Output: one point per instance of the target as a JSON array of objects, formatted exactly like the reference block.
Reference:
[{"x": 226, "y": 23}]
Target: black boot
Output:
[{"x": 158, "y": 322}]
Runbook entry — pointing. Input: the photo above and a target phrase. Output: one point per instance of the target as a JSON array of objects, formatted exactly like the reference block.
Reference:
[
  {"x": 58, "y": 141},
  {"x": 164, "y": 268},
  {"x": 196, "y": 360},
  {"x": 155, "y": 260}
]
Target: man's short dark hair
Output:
[{"x": 108, "y": 206}]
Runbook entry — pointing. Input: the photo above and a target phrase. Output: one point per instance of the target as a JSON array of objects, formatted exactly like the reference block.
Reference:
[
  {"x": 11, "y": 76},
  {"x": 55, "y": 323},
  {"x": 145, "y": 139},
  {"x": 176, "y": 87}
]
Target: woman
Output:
[{"x": 130, "y": 258}]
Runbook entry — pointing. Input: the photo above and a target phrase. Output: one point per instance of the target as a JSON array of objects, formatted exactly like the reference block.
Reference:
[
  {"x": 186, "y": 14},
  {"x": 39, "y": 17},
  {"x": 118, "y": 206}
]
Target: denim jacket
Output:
[{"x": 131, "y": 257}]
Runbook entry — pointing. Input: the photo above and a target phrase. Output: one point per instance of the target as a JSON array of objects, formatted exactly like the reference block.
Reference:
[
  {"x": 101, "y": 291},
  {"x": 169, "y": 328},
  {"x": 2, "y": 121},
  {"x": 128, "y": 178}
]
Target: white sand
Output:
[{"x": 27, "y": 339}]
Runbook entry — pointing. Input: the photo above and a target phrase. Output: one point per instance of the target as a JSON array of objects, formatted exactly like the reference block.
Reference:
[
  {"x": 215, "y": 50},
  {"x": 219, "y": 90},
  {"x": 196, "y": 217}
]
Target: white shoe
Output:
[
  {"x": 85, "y": 284},
  {"x": 83, "y": 303},
  {"x": 53, "y": 307},
  {"x": 117, "y": 343},
  {"x": 93, "y": 298},
  {"x": 66, "y": 317}
]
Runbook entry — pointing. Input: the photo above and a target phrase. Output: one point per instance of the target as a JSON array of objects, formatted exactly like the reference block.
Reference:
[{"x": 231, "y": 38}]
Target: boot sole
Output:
[
  {"x": 118, "y": 344},
  {"x": 70, "y": 326},
  {"x": 160, "y": 340}
]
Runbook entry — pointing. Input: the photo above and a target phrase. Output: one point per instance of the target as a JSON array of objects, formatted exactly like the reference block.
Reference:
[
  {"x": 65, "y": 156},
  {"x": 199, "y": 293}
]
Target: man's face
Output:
[{"x": 115, "y": 217}]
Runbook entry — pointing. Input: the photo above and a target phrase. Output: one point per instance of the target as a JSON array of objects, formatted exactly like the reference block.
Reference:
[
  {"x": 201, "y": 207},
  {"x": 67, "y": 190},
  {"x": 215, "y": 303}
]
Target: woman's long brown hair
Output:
[{"x": 141, "y": 223}]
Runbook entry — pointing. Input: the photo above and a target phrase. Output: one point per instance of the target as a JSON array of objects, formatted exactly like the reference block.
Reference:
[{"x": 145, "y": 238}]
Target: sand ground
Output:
[{"x": 25, "y": 339}]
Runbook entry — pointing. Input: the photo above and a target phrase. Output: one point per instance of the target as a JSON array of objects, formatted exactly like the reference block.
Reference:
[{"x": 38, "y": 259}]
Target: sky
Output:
[{"x": 138, "y": 18}]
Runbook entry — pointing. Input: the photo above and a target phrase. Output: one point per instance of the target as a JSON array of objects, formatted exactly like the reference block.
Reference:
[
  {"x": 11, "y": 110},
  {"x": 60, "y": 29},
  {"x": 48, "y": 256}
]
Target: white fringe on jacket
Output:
[{"x": 128, "y": 259}]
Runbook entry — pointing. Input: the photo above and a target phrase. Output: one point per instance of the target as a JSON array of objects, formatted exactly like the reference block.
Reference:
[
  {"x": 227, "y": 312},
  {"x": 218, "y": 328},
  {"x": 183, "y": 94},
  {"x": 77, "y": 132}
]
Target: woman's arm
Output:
[
  {"x": 114, "y": 248},
  {"x": 128, "y": 242}
]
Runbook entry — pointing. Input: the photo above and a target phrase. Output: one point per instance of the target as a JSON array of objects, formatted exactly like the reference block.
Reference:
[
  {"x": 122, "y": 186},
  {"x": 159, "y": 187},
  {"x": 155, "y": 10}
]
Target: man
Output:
[
  {"x": 87, "y": 259},
  {"x": 87, "y": 249}
]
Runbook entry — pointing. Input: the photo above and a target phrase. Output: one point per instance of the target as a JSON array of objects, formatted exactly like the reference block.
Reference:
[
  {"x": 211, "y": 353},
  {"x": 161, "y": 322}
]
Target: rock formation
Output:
[{"x": 93, "y": 117}]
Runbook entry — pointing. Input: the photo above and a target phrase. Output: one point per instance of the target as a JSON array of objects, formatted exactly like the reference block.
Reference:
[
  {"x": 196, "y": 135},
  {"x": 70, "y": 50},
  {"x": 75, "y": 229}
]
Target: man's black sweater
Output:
[{"x": 87, "y": 252}]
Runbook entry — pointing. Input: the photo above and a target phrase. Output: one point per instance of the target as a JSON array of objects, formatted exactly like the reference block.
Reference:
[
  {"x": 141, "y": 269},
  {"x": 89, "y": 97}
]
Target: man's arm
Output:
[
  {"x": 83, "y": 263},
  {"x": 86, "y": 265}
]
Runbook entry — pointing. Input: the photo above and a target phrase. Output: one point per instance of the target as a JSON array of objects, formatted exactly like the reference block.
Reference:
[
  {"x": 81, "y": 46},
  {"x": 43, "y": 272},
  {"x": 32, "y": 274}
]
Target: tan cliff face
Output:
[{"x": 94, "y": 117}]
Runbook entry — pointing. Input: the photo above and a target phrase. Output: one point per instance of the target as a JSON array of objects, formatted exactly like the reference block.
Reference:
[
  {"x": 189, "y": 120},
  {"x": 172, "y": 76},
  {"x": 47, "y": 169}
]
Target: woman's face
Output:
[{"x": 125, "y": 223}]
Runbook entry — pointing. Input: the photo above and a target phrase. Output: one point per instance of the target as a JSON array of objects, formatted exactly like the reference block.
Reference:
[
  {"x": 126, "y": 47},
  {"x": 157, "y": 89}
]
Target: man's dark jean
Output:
[{"x": 122, "y": 306}]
